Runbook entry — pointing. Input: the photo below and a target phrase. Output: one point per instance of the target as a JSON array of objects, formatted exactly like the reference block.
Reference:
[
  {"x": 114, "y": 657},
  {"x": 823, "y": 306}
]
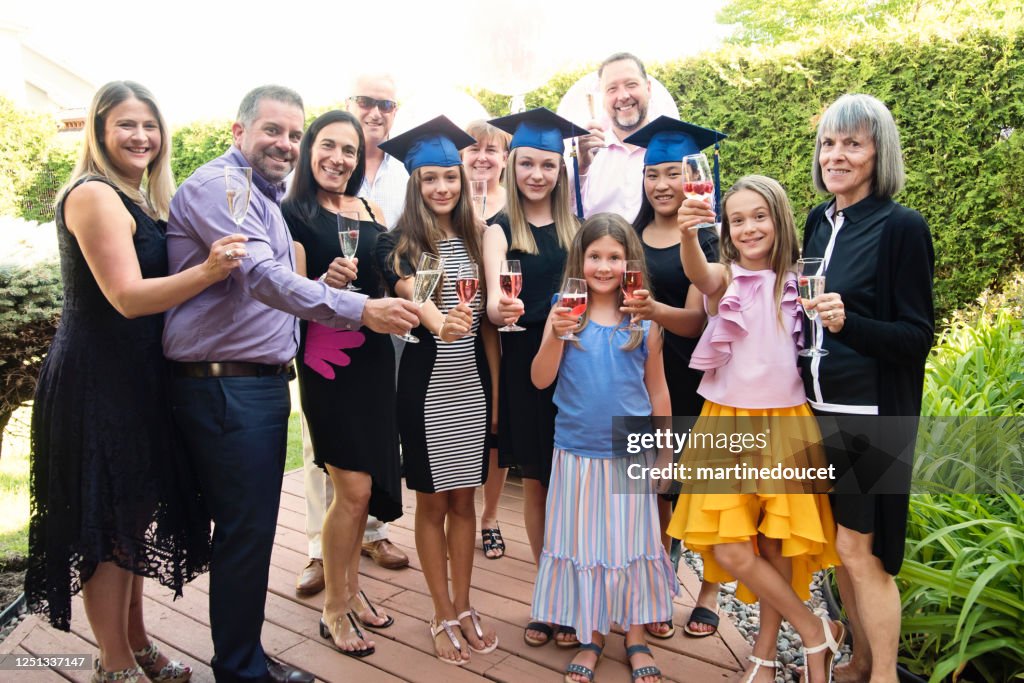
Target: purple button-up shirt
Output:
[{"x": 251, "y": 315}]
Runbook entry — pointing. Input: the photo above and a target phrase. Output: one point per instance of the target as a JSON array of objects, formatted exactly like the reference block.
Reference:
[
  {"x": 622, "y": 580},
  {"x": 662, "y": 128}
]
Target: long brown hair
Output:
[
  {"x": 154, "y": 194},
  {"x": 594, "y": 228},
  {"x": 418, "y": 230},
  {"x": 784, "y": 251},
  {"x": 566, "y": 224}
]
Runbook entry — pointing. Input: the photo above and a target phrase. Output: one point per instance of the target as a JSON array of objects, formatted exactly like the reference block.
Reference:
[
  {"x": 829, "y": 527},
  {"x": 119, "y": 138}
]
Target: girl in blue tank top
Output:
[{"x": 602, "y": 561}]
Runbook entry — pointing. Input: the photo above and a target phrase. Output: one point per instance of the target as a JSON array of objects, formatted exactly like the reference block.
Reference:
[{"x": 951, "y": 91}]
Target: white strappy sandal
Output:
[
  {"x": 758, "y": 663},
  {"x": 474, "y": 617},
  {"x": 831, "y": 644},
  {"x": 446, "y": 626}
]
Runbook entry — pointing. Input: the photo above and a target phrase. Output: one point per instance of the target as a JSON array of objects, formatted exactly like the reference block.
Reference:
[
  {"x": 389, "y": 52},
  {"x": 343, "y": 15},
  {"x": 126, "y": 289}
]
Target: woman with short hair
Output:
[{"x": 878, "y": 310}]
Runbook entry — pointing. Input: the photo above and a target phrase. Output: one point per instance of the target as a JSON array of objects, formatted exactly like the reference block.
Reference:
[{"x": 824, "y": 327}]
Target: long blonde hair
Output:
[
  {"x": 418, "y": 230},
  {"x": 784, "y": 251},
  {"x": 154, "y": 194},
  {"x": 566, "y": 224}
]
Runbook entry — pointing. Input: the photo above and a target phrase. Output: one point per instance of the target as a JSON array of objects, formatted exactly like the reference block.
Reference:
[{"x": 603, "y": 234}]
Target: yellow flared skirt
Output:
[{"x": 802, "y": 522}]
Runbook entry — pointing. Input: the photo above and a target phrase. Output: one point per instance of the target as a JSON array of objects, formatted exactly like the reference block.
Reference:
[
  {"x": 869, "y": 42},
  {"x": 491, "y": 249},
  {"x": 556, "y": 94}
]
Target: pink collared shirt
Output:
[{"x": 615, "y": 180}]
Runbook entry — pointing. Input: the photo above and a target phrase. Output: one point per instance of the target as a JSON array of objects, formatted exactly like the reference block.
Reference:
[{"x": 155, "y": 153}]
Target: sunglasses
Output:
[{"x": 385, "y": 106}]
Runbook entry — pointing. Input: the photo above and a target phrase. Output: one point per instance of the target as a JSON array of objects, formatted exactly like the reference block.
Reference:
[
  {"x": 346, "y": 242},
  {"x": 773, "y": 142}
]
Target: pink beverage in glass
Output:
[
  {"x": 698, "y": 189},
  {"x": 466, "y": 287},
  {"x": 576, "y": 302},
  {"x": 632, "y": 280},
  {"x": 511, "y": 284}
]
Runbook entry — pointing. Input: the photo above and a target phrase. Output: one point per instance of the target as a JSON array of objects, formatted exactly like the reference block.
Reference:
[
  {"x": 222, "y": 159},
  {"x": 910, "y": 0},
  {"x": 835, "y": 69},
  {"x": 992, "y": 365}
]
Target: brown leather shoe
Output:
[
  {"x": 311, "y": 579},
  {"x": 386, "y": 554}
]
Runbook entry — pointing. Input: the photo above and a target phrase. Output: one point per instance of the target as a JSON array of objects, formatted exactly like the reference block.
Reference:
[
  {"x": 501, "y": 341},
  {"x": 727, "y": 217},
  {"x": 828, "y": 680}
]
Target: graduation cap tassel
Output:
[
  {"x": 576, "y": 179},
  {"x": 718, "y": 188}
]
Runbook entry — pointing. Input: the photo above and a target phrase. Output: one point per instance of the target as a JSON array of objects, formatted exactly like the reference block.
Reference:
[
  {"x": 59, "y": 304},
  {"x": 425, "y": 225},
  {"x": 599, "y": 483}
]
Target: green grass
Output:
[
  {"x": 14, "y": 486},
  {"x": 294, "y": 457}
]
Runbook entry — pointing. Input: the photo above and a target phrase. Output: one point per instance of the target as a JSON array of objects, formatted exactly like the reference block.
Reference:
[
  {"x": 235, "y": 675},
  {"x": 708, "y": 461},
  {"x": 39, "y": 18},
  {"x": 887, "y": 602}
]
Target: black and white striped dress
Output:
[{"x": 444, "y": 398}]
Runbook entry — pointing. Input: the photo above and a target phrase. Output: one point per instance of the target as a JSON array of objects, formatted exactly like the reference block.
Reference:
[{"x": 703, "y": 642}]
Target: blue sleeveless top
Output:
[{"x": 596, "y": 383}]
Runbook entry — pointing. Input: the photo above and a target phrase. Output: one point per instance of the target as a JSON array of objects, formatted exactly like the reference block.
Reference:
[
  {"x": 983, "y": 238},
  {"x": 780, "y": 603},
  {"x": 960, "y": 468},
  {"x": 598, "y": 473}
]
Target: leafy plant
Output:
[{"x": 962, "y": 587}]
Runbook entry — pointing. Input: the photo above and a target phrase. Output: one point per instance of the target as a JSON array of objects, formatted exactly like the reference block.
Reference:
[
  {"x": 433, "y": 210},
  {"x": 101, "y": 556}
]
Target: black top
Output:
[
  {"x": 670, "y": 285},
  {"x": 542, "y": 272},
  {"x": 846, "y": 377},
  {"x": 894, "y": 327}
]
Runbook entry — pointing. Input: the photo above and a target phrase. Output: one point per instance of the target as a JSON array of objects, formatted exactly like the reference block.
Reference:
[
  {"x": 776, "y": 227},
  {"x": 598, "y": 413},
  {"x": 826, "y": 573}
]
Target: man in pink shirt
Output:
[{"x": 611, "y": 173}]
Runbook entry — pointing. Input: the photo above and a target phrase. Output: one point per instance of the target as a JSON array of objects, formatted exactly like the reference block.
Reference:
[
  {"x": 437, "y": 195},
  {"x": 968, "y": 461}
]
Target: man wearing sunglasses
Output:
[{"x": 374, "y": 102}]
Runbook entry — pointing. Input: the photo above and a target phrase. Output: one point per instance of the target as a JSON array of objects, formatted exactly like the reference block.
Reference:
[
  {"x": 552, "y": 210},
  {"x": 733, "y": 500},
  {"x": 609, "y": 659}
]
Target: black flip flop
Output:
[
  {"x": 543, "y": 628},
  {"x": 702, "y": 615}
]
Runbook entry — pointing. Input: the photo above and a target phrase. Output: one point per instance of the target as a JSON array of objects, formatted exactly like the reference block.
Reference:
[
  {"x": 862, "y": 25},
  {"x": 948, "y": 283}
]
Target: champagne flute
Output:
[
  {"x": 698, "y": 182},
  {"x": 511, "y": 281},
  {"x": 467, "y": 284},
  {"x": 478, "y": 193},
  {"x": 238, "y": 189},
  {"x": 348, "y": 235},
  {"x": 811, "y": 283},
  {"x": 428, "y": 274},
  {"x": 573, "y": 296},
  {"x": 632, "y": 280}
]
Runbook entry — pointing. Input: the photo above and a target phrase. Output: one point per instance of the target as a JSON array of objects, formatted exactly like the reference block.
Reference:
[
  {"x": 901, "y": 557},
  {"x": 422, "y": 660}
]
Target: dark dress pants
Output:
[{"x": 235, "y": 430}]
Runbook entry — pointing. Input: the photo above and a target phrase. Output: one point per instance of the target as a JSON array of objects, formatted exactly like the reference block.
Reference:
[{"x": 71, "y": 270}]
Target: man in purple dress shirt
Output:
[{"x": 231, "y": 346}]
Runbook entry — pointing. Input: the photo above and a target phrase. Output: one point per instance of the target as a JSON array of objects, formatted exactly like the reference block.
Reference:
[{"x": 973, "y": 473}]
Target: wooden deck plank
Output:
[{"x": 502, "y": 592}]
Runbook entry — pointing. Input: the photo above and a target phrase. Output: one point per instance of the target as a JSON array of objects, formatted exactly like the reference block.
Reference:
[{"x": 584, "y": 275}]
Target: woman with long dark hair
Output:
[{"x": 345, "y": 376}]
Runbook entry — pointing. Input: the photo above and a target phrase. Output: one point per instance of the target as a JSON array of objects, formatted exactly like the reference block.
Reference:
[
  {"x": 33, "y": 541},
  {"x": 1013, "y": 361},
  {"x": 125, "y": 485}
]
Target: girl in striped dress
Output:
[
  {"x": 602, "y": 561},
  {"x": 443, "y": 381}
]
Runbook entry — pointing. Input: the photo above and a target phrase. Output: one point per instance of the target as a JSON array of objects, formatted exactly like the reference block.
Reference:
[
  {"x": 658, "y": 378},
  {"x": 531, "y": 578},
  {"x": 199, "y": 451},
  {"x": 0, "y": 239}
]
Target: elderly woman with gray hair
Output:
[{"x": 878, "y": 260}]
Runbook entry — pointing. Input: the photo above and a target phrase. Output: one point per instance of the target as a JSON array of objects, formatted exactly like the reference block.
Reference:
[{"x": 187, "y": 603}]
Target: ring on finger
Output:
[{"x": 230, "y": 253}]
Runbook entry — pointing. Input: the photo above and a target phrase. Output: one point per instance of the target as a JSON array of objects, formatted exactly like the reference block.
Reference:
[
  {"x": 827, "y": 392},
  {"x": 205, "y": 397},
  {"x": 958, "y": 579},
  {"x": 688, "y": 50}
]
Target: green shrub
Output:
[
  {"x": 38, "y": 197},
  {"x": 30, "y": 299},
  {"x": 195, "y": 144},
  {"x": 25, "y": 139}
]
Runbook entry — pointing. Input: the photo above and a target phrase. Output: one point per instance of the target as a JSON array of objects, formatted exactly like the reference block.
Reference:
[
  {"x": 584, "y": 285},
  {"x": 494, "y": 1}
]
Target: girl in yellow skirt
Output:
[{"x": 771, "y": 535}]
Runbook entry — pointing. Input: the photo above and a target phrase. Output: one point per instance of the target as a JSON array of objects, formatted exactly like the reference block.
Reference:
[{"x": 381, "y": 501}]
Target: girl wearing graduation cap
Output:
[
  {"x": 536, "y": 229},
  {"x": 679, "y": 309},
  {"x": 443, "y": 381}
]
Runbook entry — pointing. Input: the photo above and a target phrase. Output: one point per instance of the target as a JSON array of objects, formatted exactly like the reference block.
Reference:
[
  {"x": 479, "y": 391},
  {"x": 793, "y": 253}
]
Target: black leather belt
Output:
[{"x": 230, "y": 369}]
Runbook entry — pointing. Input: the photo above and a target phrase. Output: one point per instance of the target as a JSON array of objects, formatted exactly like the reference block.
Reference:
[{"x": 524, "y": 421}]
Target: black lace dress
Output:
[{"x": 108, "y": 482}]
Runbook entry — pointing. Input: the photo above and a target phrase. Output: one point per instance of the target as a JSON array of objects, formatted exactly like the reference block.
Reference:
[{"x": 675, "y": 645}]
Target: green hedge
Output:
[
  {"x": 951, "y": 100},
  {"x": 26, "y": 139}
]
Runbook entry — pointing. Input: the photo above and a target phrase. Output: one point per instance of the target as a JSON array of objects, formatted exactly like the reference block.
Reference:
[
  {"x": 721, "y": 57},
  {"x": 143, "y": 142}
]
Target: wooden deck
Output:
[{"x": 502, "y": 590}]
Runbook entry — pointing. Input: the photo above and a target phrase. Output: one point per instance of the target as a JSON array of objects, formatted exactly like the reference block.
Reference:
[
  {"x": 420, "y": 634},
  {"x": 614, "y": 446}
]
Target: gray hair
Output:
[
  {"x": 249, "y": 107},
  {"x": 853, "y": 113}
]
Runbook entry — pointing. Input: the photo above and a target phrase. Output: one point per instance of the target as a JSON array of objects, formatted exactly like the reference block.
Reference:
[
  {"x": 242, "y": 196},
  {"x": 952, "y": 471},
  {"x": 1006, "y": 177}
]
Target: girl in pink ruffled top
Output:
[{"x": 768, "y": 534}]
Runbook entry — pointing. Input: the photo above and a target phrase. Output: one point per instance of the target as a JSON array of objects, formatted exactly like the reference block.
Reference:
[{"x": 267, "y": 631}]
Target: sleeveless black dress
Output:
[
  {"x": 108, "y": 482},
  {"x": 346, "y": 377},
  {"x": 526, "y": 414}
]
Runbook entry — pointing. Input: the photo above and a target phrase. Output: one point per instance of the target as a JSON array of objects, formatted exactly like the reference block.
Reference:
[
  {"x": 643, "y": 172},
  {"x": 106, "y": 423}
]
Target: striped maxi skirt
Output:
[{"x": 603, "y": 561}]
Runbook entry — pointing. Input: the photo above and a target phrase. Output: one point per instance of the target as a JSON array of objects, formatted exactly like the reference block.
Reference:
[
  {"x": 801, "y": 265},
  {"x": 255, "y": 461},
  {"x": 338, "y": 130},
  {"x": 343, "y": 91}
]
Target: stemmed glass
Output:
[
  {"x": 348, "y": 235},
  {"x": 511, "y": 280},
  {"x": 632, "y": 280},
  {"x": 478, "y": 193},
  {"x": 238, "y": 189},
  {"x": 467, "y": 284},
  {"x": 428, "y": 274},
  {"x": 573, "y": 296},
  {"x": 811, "y": 283},
  {"x": 698, "y": 183}
]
